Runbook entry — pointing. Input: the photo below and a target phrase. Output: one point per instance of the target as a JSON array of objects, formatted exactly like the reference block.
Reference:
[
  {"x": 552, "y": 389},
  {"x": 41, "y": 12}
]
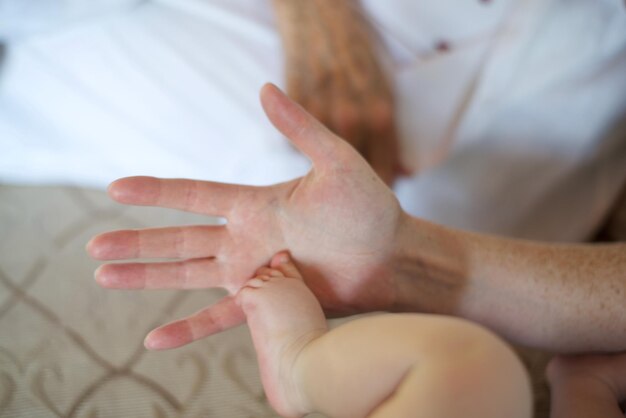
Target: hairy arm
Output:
[
  {"x": 333, "y": 69},
  {"x": 565, "y": 298}
]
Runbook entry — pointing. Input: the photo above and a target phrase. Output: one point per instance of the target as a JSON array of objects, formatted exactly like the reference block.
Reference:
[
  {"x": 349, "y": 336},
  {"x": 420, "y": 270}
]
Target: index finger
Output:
[
  {"x": 203, "y": 197},
  {"x": 381, "y": 141}
]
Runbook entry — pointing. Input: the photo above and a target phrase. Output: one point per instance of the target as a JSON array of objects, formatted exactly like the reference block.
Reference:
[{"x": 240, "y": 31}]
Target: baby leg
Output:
[
  {"x": 380, "y": 366},
  {"x": 283, "y": 316},
  {"x": 409, "y": 365}
]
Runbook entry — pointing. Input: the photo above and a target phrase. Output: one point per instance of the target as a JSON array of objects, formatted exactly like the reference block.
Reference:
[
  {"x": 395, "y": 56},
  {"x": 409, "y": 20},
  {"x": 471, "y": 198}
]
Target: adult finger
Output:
[
  {"x": 189, "y": 274},
  {"x": 204, "y": 197},
  {"x": 347, "y": 122},
  {"x": 223, "y": 315},
  {"x": 317, "y": 106},
  {"x": 382, "y": 142},
  {"x": 313, "y": 101},
  {"x": 382, "y": 154},
  {"x": 346, "y": 119},
  {"x": 198, "y": 241},
  {"x": 383, "y": 159},
  {"x": 306, "y": 133}
]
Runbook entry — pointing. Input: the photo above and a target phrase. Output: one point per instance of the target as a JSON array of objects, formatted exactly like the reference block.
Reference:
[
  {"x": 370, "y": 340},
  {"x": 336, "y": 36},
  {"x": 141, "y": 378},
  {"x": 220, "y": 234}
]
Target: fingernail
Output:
[
  {"x": 148, "y": 343},
  {"x": 88, "y": 246},
  {"x": 151, "y": 342},
  {"x": 97, "y": 277}
]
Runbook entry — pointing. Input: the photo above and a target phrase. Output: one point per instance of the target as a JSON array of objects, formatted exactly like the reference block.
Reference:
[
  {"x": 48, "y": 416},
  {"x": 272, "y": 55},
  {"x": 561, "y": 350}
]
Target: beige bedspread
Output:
[{"x": 71, "y": 349}]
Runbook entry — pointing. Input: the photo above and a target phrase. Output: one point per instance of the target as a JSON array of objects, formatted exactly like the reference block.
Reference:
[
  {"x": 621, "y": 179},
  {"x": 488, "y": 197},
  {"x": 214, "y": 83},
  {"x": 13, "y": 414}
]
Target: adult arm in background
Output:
[
  {"x": 361, "y": 252},
  {"x": 333, "y": 71}
]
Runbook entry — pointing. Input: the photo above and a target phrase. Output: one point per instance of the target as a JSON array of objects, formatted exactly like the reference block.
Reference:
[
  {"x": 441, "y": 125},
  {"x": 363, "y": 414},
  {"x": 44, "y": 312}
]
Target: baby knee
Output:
[
  {"x": 477, "y": 345},
  {"x": 480, "y": 363}
]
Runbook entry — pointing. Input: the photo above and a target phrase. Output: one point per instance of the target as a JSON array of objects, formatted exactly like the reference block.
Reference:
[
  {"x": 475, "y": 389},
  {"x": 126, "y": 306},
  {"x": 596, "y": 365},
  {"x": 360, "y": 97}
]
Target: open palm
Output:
[{"x": 339, "y": 222}]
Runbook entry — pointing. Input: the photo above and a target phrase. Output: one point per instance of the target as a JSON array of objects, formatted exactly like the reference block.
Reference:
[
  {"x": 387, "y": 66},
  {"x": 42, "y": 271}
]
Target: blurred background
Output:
[{"x": 508, "y": 117}]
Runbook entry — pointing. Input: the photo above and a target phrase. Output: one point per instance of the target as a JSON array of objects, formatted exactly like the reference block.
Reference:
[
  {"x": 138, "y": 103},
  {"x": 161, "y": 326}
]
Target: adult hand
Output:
[
  {"x": 339, "y": 222},
  {"x": 588, "y": 385},
  {"x": 333, "y": 71}
]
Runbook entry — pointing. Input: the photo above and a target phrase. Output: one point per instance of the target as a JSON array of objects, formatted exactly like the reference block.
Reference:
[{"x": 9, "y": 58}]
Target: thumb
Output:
[{"x": 302, "y": 129}]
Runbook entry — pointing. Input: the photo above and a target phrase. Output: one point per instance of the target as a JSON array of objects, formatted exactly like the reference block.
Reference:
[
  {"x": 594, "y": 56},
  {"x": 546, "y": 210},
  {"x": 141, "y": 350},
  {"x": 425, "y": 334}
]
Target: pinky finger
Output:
[{"x": 223, "y": 315}]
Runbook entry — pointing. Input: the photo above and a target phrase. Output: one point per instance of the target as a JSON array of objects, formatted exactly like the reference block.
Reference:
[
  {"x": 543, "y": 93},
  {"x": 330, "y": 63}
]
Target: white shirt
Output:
[{"x": 528, "y": 96}]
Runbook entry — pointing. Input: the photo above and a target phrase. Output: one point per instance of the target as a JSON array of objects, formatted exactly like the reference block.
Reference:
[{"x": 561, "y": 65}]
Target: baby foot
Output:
[{"x": 283, "y": 316}]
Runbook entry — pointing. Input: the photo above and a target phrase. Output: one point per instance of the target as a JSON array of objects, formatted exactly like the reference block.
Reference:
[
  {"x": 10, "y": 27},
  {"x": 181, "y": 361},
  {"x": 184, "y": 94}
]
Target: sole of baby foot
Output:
[{"x": 284, "y": 317}]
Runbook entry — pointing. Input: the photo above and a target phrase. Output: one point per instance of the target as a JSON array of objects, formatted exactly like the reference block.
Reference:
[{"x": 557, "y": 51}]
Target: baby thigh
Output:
[{"x": 413, "y": 365}]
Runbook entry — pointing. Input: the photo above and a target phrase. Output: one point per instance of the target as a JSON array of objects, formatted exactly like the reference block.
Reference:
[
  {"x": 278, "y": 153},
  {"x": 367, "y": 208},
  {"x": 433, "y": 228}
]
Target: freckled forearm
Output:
[{"x": 567, "y": 298}]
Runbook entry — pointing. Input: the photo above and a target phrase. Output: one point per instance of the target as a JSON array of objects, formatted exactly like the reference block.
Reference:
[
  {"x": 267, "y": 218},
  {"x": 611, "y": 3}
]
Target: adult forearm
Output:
[
  {"x": 291, "y": 14},
  {"x": 331, "y": 25},
  {"x": 566, "y": 298}
]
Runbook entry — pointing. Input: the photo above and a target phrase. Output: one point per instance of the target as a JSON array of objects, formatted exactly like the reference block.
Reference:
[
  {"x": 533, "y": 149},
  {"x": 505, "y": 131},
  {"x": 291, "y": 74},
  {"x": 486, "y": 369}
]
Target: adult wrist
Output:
[{"x": 430, "y": 267}]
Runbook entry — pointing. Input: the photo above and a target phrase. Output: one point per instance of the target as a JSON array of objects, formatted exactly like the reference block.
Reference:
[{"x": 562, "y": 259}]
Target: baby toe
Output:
[
  {"x": 268, "y": 271},
  {"x": 256, "y": 282},
  {"x": 283, "y": 263},
  {"x": 276, "y": 273},
  {"x": 262, "y": 271}
]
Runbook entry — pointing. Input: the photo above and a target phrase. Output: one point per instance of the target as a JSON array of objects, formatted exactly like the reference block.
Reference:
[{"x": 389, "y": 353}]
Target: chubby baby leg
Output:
[
  {"x": 284, "y": 317},
  {"x": 405, "y": 365},
  {"x": 410, "y": 365}
]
